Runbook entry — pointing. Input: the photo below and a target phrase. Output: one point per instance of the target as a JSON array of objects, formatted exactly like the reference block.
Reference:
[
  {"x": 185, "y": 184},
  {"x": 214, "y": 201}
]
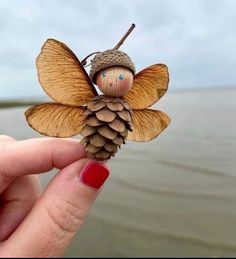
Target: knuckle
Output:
[
  {"x": 66, "y": 216},
  {"x": 5, "y": 176}
]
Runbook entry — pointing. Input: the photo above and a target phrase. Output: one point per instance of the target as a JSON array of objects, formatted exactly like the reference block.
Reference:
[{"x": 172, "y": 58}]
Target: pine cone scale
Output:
[
  {"x": 124, "y": 115},
  {"x": 115, "y": 106},
  {"x": 87, "y": 131},
  {"x": 93, "y": 121},
  {"x": 106, "y": 115},
  {"x": 97, "y": 140},
  {"x": 111, "y": 147},
  {"x": 92, "y": 149},
  {"x": 117, "y": 125}
]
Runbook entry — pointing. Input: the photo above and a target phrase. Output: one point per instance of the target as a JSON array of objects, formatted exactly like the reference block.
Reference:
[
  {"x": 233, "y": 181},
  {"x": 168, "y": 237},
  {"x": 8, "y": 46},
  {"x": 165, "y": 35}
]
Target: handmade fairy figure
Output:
[{"x": 105, "y": 121}]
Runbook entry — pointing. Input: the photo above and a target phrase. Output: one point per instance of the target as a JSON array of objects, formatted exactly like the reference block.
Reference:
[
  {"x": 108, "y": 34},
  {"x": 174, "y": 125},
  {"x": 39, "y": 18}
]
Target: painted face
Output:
[{"x": 114, "y": 81}]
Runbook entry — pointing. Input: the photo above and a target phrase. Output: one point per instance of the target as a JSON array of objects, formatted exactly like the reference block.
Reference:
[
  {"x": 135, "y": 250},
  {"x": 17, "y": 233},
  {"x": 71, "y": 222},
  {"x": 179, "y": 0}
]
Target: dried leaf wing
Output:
[
  {"x": 149, "y": 86},
  {"x": 62, "y": 76},
  {"x": 56, "y": 120},
  {"x": 147, "y": 124}
]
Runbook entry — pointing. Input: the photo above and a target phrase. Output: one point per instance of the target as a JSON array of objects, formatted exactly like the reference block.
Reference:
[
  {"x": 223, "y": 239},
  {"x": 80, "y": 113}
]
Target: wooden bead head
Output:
[{"x": 114, "y": 81}]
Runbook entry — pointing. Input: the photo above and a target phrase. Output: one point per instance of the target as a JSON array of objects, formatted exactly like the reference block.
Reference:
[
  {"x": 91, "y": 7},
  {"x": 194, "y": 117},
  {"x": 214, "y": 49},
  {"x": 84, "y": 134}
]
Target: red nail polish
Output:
[{"x": 94, "y": 175}]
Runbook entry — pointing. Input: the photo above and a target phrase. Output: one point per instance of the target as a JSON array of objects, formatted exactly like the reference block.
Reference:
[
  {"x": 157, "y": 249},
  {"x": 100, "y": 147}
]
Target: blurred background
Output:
[{"x": 174, "y": 196}]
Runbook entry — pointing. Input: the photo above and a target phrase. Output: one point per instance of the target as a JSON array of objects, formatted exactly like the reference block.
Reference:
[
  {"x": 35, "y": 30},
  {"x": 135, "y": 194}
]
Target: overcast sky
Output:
[{"x": 196, "y": 39}]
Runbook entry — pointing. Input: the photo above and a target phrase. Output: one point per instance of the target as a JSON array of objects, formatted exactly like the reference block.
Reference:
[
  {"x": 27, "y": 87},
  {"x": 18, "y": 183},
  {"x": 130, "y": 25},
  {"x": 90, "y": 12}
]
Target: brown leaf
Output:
[
  {"x": 149, "y": 86},
  {"x": 56, "y": 120},
  {"x": 62, "y": 76},
  {"x": 147, "y": 124}
]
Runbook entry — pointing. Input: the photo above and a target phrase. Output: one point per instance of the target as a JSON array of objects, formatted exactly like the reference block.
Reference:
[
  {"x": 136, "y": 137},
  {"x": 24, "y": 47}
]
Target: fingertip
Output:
[
  {"x": 94, "y": 174},
  {"x": 65, "y": 151},
  {"x": 59, "y": 151}
]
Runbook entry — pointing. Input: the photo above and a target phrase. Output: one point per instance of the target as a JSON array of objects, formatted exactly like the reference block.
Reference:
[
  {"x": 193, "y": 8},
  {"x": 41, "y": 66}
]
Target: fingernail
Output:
[{"x": 94, "y": 174}]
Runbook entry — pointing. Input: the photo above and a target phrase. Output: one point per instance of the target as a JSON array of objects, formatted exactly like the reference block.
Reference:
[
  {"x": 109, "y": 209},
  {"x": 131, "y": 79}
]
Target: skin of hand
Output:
[{"x": 42, "y": 224}]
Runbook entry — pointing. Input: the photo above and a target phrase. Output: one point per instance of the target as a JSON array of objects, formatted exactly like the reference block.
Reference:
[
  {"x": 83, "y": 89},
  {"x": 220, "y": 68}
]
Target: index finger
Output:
[{"x": 36, "y": 156}]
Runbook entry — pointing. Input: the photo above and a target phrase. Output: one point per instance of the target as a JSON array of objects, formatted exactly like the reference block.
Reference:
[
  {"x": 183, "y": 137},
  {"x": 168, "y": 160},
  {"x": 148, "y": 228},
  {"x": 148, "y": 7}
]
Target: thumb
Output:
[{"x": 60, "y": 212}]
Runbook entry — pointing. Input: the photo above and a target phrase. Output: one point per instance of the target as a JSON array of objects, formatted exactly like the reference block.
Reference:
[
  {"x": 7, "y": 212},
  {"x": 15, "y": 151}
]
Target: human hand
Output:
[{"x": 42, "y": 225}]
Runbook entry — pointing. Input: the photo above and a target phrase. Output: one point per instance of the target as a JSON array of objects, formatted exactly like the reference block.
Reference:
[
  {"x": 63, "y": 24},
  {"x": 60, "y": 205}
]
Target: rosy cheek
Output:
[{"x": 124, "y": 84}]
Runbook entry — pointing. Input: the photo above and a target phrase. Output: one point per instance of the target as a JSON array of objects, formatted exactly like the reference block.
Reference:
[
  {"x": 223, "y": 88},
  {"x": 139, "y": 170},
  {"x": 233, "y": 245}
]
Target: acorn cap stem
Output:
[
  {"x": 125, "y": 36},
  {"x": 84, "y": 61}
]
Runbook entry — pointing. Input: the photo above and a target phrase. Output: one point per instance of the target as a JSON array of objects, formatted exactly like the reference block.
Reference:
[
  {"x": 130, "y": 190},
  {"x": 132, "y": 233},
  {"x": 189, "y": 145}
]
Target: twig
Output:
[{"x": 125, "y": 36}]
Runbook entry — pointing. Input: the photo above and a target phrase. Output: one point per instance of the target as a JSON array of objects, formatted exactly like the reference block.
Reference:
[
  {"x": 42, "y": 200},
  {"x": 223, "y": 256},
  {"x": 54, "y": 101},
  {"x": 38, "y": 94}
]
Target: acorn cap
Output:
[{"x": 110, "y": 58}]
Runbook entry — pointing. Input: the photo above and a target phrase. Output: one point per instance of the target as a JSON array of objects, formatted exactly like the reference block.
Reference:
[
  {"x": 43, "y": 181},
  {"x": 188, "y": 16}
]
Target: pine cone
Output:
[{"x": 107, "y": 124}]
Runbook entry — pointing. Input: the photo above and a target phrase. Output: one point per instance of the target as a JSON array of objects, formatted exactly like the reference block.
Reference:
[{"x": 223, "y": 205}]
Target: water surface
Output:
[{"x": 174, "y": 196}]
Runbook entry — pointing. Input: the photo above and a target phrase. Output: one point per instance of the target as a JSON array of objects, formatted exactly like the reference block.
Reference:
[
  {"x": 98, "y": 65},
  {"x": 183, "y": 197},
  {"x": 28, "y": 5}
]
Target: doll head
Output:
[
  {"x": 112, "y": 71},
  {"x": 114, "y": 81}
]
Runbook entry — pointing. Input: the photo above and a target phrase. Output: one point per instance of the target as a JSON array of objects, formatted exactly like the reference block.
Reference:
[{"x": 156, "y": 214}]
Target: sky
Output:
[{"x": 196, "y": 39}]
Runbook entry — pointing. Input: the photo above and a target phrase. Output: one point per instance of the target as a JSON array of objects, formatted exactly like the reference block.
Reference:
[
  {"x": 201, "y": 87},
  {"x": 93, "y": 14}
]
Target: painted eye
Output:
[
  {"x": 104, "y": 74},
  {"x": 121, "y": 77}
]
